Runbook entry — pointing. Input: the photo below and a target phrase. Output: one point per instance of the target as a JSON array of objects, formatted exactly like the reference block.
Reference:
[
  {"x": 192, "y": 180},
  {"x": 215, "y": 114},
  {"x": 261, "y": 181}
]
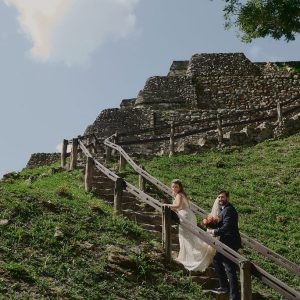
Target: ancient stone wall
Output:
[
  {"x": 196, "y": 90},
  {"x": 163, "y": 92},
  {"x": 115, "y": 120},
  {"x": 221, "y": 64},
  {"x": 42, "y": 159},
  {"x": 178, "y": 68},
  {"x": 127, "y": 103},
  {"x": 240, "y": 93},
  {"x": 214, "y": 81}
]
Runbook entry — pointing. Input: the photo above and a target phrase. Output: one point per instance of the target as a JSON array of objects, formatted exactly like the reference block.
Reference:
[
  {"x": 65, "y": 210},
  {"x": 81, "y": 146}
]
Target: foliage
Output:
[
  {"x": 261, "y": 18},
  {"x": 96, "y": 255},
  {"x": 287, "y": 66}
]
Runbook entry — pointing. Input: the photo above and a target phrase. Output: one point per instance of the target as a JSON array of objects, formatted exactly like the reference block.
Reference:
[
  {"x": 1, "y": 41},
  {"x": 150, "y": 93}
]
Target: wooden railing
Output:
[
  {"x": 274, "y": 112},
  {"x": 247, "y": 268},
  {"x": 267, "y": 278},
  {"x": 283, "y": 262},
  {"x": 122, "y": 185},
  {"x": 264, "y": 276}
]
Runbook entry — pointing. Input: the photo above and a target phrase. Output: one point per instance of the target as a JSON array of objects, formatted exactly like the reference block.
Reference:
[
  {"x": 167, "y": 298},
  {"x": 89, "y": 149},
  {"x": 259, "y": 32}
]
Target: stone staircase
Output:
[{"x": 151, "y": 221}]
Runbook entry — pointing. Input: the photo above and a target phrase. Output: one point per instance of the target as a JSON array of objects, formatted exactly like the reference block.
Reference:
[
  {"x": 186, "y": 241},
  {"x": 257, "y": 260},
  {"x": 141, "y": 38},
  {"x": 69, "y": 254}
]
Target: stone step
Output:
[
  {"x": 151, "y": 227},
  {"x": 205, "y": 281},
  {"x": 100, "y": 157},
  {"x": 100, "y": 177},
  {"x": 210, "y": 272},
  {"x": 99, "y": 174},
  {"x": 104, "y": 189},
  {"x": 129, "y": 196},
  {"x": 137, "y": 206},
  {"x": 106, "y": 198},
  {"x": 141, "y": 217},
  {"x": 155, "y": 233},
  {"x": 103, "y": 185},
  {"x": 223, "y": 296},
  {"x": 216, "y": 295}
]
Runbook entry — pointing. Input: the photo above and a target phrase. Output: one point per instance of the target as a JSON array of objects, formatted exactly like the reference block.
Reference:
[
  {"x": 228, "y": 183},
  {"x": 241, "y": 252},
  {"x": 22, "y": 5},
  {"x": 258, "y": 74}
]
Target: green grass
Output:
[
  {"x": 99, "y": 256},
  {"x": 264, "y": 183},
  {"x": 93, "y": 254},
  {"x": 294, "y": 65}
]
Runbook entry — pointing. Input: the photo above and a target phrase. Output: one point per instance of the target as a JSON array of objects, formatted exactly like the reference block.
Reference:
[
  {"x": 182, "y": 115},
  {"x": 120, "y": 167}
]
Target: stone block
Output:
[
  {"x": 237, "y": 138},
  {"x": 264, "y": 131}
]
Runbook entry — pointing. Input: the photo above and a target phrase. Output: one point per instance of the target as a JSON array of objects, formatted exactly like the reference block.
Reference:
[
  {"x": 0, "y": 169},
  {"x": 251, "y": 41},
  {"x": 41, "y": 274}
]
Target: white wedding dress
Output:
[{"x": 194, "y": 254}]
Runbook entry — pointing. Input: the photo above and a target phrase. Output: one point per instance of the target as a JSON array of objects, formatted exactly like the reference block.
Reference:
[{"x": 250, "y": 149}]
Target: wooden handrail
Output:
[
  {"x": 138, "y": 169},
  {"x": 205, "y": 129},
  {"x": 268, "y": 279},
  {"x": 275, "y": 283},
  {"x": 143, "y": 196},
  {"x": 232, "y": 115},
  {"x": 264, "y": 276},
  {"x": 282, "y": 261},
  {"x": 197, "y": 131},
  {"x": 278, "y": 259}
]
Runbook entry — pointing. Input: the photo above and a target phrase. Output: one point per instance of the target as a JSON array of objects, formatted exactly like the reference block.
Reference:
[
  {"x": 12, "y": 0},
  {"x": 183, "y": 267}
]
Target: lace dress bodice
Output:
[{"x": 184, "y": 203}]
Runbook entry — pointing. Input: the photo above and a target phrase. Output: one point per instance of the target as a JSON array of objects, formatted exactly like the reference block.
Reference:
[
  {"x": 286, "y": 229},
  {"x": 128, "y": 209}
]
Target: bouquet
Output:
[{"x": 210, "y": 222}]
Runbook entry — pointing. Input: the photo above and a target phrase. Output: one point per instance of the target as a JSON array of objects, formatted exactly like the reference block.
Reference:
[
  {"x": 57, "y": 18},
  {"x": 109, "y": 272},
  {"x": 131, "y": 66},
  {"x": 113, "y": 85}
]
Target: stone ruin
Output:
[
  {"x": 200, "y": 88},
  {"x": 42, "y": 159}
]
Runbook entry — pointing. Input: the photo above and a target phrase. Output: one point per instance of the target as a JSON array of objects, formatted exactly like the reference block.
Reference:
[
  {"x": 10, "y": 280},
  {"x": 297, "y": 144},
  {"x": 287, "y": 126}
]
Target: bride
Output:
[{"x": 194, "y": 254}]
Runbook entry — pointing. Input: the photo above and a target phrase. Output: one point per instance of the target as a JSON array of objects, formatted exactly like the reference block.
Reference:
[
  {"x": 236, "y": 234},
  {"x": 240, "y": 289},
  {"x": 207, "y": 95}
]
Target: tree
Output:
[{"x": 261, "y": 18}]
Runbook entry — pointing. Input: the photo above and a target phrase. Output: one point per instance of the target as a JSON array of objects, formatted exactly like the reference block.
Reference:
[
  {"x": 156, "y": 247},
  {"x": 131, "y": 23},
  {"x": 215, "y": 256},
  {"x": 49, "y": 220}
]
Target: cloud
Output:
[{"x": 70, "y": 31}]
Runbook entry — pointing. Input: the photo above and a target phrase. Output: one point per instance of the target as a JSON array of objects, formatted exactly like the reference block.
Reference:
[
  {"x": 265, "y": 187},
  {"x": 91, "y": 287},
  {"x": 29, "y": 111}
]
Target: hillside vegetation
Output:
[{"x": 59, "y": 242}]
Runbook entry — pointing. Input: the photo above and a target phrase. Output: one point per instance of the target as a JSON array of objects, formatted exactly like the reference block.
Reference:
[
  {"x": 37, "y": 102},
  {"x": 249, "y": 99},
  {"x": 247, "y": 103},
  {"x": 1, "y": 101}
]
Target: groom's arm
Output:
[{"x": 228, "y": 221}]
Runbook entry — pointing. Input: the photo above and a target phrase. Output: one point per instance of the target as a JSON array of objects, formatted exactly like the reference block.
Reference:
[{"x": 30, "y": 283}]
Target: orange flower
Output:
[{"x": 210, "y": 221}]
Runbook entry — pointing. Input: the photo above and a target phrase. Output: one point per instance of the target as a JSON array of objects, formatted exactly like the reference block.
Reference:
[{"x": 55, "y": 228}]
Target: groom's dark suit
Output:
[{"x": 229, "y": 235}]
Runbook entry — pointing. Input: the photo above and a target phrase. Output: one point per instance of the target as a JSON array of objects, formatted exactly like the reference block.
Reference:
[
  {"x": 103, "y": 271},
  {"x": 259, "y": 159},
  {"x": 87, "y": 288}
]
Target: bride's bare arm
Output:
[{"x": 177, "y": 202}]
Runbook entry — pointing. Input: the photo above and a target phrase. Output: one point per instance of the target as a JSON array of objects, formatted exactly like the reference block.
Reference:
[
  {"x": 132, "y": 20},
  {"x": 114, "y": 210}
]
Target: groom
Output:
[{"x": 229, "y": 235}]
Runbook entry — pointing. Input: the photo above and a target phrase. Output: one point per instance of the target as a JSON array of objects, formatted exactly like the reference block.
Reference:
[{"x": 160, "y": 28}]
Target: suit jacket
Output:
[{"x": 228, "y": 227}]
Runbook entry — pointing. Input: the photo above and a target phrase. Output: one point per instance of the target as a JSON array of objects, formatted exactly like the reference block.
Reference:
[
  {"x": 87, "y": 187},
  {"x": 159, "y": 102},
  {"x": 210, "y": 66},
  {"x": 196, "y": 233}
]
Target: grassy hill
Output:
[
  {"x": 264, "y": 183},
  {"x": 59, "y": 242}
]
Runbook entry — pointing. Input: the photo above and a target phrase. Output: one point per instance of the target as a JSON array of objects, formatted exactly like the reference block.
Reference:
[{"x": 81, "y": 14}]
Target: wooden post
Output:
[
  {"x": 166, "y": 231},
  {"x": 245, "y": 278},
  {"x": 89, "y": 171},
  {"x": 122, "y": 163},
  {"x": 64, "y": 153},
  {"x": 118, "y": 193},
  {"x": 142, "y": 183},
  {"x": 94, "y": 143},
  {"x": 172, "y": 140},
  {"x": 115, "y": 141},
  {"x": 107, "y": 154},
  {"x": 220, "y": 131},
  {"x": 74, "y": 154},
  {"x": 279, "y": 113}
]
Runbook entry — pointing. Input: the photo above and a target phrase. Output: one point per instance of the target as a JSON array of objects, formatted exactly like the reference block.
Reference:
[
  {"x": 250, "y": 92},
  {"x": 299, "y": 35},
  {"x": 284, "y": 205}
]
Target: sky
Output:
[{"x": 63, "y": 61}]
